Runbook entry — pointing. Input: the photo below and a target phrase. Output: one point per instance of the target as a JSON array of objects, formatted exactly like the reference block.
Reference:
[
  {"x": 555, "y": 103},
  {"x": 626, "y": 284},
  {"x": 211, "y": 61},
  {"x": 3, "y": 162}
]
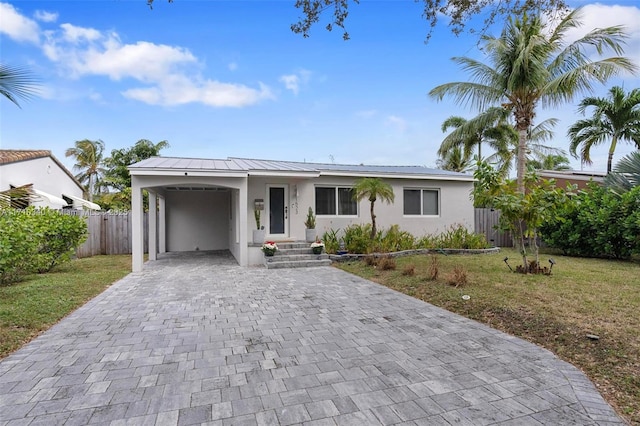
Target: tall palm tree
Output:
[
  {"x": 372, "y": 189},
  {"x": 17, "y": 82},
  {"x": 88, "y": 156},
  {"x": 616, "y": 118},
  {"x": 530, "y": 65}
]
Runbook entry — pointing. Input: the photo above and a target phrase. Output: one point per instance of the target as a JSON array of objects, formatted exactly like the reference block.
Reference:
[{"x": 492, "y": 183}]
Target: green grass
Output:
[
  {"x": 582, "y": 296},
  {"x": 29, "y": 307}
]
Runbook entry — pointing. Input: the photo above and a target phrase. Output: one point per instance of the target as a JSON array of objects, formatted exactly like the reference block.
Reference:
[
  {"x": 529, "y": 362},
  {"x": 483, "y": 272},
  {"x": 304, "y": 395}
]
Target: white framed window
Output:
[
  {"x": 335, "y": 201},
  {"x": 421, "y": 202}
]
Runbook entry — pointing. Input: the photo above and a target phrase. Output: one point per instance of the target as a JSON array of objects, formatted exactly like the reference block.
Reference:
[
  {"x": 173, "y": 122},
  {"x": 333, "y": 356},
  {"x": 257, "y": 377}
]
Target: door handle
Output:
[{"x": 286, "y": 211}]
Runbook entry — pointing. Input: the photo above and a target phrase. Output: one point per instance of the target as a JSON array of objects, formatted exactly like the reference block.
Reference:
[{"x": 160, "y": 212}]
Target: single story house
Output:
[
  {"x": 573, "y": 177},
  {"x": 208, "y": 204},
  {"x": 48, "y": 181}
]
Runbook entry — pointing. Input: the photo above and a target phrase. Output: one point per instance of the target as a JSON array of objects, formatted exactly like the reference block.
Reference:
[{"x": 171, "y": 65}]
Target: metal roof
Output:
[{"x": 255, "y": 165}]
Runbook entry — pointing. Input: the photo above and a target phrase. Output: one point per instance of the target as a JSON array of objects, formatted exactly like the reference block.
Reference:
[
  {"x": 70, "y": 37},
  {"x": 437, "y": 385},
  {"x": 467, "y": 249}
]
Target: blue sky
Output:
[{"x": 224, "y": 79}]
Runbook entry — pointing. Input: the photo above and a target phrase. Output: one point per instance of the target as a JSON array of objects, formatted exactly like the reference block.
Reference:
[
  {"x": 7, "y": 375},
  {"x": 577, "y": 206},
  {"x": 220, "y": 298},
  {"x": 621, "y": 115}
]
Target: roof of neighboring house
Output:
[
  {"x": 255, "y": 166},
  {"x": 577, "y": 175},
  {"x": 9, "y": 156}
]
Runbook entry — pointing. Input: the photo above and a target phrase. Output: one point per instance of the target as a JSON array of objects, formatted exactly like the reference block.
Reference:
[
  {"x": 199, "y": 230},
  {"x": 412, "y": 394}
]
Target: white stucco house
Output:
[
  {"x": 50, "y": 182},
  {"x": 208, "y": 204}
]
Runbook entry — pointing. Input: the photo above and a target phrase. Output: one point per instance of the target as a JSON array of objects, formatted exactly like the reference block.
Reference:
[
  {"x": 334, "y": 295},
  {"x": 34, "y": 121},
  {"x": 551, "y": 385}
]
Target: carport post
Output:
[
  {"x": 162, "y": 232},
  {"x": 137, "y": 226},
  {"x": 153, "y": 225}
]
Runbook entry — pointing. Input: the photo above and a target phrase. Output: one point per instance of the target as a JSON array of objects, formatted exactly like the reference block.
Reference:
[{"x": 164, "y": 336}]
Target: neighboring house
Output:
[
  {"x": 577, "y": 177},
  {"x": 47, "y": 180},
  {"x": 208, "y": 204}
]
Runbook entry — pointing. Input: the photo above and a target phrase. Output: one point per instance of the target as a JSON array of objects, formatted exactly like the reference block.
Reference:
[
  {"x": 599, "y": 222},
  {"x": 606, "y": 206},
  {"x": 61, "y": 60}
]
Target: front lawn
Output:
[
  {"x": 582, "y": 297},
  {"x": 30, "y": 307}
]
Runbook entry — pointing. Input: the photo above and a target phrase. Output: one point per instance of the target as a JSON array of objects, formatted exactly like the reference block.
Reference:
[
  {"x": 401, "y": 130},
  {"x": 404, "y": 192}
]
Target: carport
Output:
[{"x": 199, "y": 206}]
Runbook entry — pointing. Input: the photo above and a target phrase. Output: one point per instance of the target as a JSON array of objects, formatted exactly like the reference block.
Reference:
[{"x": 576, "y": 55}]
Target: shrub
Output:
[
  {"x": 330, "y": 240},
  {"x": 459, "y": 237},
  {"x": 396, "y": 240},
  {"x": 357, "y": 238},
  {"x": 36, "y": 241},
  {"x": 59, "y": 234},
  {"x": 370, "y": 261},
  {"x": 458, "y": 277},
  {"x": 387, "y": 263},
  {"x": 597, "y": 223},
  {"x": 434, "y": 267},
  {"x": 409, "y": 270},
  {"x": 18, "y": 245}
]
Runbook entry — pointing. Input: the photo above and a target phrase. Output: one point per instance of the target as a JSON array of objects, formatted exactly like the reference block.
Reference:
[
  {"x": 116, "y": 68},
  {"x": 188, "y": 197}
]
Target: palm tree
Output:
[
  {"x": 88, "y": 156},
  {"x": 488, "y": 127},
  {"x": 455, "y": 160},
  {"x": 372, "y": 189},
  {"x": 626, "y": 174},
  {"x": 550, "y": 162},
  {"x": 530, "y": 65},
  {"x": 616, "y": 118},
  {"x": 16, "y": 82}
]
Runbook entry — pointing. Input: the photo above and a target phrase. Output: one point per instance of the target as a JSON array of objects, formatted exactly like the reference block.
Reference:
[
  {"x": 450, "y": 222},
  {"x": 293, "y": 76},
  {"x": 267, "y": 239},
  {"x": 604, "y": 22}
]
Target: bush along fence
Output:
[{"x": 35, "y": 241}]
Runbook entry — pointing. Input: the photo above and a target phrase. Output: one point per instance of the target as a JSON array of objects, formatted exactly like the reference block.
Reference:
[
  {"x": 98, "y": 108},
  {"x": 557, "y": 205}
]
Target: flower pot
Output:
[
  {"x": 258, "y": 236},
  {"x": 310, "y": 235},
  {"x": 316, "y": 250},
  {"x": 268, "y": 253}
]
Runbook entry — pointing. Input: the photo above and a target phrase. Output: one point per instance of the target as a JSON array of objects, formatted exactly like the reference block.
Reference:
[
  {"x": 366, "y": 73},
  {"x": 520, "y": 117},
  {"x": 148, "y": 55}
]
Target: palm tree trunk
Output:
[
  {"x": 373, "y": 222},
  {"x": 522, "y": 158},
  {"x": 91, "y": 177},
  {"x": 612, "y": 149}
]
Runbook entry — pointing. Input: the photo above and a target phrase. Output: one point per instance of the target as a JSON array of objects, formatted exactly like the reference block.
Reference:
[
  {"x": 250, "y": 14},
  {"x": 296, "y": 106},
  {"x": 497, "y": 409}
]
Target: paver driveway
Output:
[{"x": 199, "y": 340}]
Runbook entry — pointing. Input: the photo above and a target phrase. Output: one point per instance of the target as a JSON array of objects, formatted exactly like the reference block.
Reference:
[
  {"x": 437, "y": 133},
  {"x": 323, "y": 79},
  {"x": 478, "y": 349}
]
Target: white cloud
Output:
[
  {"x": 17, "y": 26},
  {"x": 291, "y": 82},
  {"x": 44, "y": 16},
  {"x": 232, "y": 66},
  {"x": 294, "y": 81},
  {"x": 171, "y": 73},
  {"x": 177, "y": 90},
  {"x": 397, "y": 122}
]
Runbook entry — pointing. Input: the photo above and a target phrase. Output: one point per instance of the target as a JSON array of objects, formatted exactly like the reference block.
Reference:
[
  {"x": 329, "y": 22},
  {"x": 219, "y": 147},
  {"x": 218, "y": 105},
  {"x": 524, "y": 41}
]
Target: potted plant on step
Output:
[
  {"x": 269, "y": 248},
  {"x": 310, "y": 224},
  {"x": 317, "y": 247},
  {"x": 258, "y": 233}
]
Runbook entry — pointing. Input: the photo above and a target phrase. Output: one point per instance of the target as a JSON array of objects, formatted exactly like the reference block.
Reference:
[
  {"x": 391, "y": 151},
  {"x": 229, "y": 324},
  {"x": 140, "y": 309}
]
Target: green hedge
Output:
[
  {"x": 597, "y": 223},
  {"x": 36, "y": 241}
]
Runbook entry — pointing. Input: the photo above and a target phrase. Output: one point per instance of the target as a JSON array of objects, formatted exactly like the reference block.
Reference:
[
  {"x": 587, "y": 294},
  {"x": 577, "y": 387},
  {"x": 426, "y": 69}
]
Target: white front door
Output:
[{"x": 278, "y": 210}]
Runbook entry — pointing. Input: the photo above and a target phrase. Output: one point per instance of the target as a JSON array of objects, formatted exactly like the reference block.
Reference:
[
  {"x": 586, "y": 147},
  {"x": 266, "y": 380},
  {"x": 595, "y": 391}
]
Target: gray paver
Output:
[{"x": 196, "y": 339}]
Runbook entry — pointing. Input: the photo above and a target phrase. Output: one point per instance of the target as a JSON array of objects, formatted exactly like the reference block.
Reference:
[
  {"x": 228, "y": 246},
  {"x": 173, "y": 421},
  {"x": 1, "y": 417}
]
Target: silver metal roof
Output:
[{"x": 252, "y": 165}]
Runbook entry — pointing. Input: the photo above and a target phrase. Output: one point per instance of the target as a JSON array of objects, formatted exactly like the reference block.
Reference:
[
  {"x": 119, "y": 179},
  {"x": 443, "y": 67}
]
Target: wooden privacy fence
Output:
[
  {"x": 486, "y": 221},
  {"x": 109, "y": 233}
]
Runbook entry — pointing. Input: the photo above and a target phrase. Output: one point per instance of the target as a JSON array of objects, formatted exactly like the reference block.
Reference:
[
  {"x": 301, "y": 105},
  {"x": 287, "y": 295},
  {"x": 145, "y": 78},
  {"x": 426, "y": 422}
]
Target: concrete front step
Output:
[
  {"x": 290, "y": 251},
  {"x": 281, "y": 257},
  {"x": 297, "y": 245},
  {"x": 296, "y": 263}
]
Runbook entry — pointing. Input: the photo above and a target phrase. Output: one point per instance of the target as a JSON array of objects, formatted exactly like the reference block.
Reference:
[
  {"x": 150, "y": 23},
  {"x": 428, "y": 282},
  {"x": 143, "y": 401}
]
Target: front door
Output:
[{"x": 278, "y": 209}]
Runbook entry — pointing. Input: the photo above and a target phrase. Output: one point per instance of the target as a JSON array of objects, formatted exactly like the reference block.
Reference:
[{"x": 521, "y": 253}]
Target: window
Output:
[
  {"x": 332, "y": 201},
  {"x": 421, "y": 202}
]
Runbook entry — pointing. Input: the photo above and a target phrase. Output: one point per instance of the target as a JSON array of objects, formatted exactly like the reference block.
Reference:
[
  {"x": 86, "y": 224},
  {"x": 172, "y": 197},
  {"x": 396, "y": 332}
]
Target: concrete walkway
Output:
[{"x": 195, "y": 339}]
